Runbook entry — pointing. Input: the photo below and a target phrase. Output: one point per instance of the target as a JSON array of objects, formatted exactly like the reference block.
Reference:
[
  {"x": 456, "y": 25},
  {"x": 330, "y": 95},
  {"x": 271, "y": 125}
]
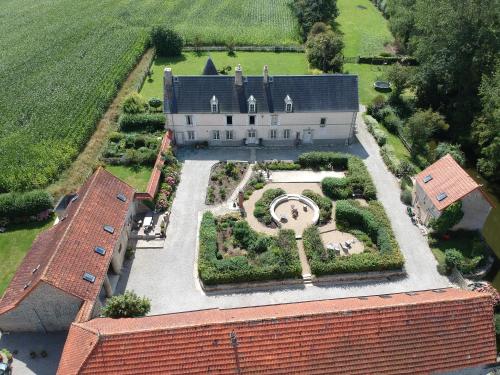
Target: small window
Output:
[
  {"x": 229, "y": 135},
  {"x": 214, "y": 108},
  {"x": 274, "y": 120},
  {"x": 322, "y": 122},
  {"x": 251, "y": 120},
  {"x": 251, "y": 108},
  {"x": 109, "y": 229},
  {"x": 229, "y": 120},
  {"x": 89, "y": 277},
  {"x": 121, "y": 197},
  {"x": 441, "y": 196},
  {"x": 75, "y": 198},
  {"x": 289, "y": 107},
  {"x": 189, "y": 120},
  {"x": 190, "y": 135},
  {"x": 274, "y": 133},
  {"x": 252, "y": 134},
  {"x": 427, "y": 178},
  {"x": 288, "y": 104},
  {"x": 286, "y": 133},
  {"x": 252, "y": 104},
  {"x": 215, "y": 135},
  {"x": 100, "y": 250}
]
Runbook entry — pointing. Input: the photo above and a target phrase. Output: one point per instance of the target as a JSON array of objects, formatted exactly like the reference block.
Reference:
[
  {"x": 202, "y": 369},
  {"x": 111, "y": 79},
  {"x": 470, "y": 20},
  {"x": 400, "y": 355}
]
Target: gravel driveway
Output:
[{"x": 168, "y": 275}]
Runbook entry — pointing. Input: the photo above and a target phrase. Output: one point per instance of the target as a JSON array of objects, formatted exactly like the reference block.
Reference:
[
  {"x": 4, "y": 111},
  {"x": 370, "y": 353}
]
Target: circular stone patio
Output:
[{"x": 282, "y": 209}]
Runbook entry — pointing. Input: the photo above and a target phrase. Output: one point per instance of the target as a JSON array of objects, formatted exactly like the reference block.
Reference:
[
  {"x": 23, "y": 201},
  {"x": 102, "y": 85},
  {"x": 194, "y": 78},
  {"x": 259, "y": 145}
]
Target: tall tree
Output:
[
  {"x": 401, "y": 20},
  {"x": 456, "y": 42},
  {"x": 324, "y": 51},
  {"x": 308, "y": 12}
]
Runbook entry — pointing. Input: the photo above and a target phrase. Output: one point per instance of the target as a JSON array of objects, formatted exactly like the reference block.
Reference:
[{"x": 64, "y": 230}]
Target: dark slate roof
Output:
[
  {"x": 310, "y": 93},
  {"x": 210, "y": 69}
]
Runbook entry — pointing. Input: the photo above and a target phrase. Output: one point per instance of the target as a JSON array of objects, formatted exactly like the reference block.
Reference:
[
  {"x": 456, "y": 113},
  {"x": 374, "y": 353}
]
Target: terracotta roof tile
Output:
[
  {"x": 66, "y": 251},
  {"x": 404, "y": 333},
  {"x": 447, "y": 177}
]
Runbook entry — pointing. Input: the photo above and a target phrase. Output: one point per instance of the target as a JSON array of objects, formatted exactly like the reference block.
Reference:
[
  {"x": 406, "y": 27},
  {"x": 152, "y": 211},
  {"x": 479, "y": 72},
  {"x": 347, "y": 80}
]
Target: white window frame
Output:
[
  {"x": 191, "y": 135},
  {"x": 229, "y": 135},
  {"x": 274, "y": 120},
  {"x": 215, "y": 135},
  {"x": 286, "y": 133},
  {"x": 273, "y": 134},
  {"x": 189, "y": 120},
  {"x": 214, "y": 105},
  {"x": 288, "y": 104},
  {"x": 252, "y": 104}
]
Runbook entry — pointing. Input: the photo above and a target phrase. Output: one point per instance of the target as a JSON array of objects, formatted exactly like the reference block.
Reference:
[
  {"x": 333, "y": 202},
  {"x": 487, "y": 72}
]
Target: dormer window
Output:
[
  {"x": 288, "y": 104},
  {"x": 252, "y": 104},
  {"x": 214, "y": 104}
]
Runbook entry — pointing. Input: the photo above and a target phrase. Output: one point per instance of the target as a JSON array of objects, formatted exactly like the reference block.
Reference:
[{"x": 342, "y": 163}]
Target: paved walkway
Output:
[{"x": 168, "y": 275}]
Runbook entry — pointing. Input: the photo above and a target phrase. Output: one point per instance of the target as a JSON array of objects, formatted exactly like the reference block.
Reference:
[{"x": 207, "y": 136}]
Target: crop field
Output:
[{"x": 62, "y": 62}]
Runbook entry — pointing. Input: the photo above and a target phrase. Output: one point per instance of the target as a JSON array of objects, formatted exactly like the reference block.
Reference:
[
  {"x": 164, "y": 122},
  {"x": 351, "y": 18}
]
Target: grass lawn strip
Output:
[{"x": 135, "y": 176}]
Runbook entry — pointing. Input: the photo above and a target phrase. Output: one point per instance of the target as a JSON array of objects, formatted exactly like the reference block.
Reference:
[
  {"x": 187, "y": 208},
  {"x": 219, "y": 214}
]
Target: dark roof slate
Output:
[
  {"x": 309, "y": 93},
  {"x": 210, "y": 69}
]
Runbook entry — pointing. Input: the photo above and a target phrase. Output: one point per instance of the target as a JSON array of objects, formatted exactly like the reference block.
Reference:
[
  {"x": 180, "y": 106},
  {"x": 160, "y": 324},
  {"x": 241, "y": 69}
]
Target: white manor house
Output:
[{"x": 260, "y": 110}]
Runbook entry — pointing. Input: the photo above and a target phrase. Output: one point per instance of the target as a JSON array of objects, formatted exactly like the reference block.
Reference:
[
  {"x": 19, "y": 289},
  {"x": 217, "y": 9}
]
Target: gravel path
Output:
[{"x": 168, "y": 275}]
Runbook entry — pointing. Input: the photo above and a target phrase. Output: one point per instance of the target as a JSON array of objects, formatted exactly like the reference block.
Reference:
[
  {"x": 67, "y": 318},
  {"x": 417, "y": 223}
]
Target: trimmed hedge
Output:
[
  {"x": 383, "y": 60},
  {"x": 16, "y": 205},
  {"x": 323, "y": 160},
  {"x": 148, "y": 122},
  {"x": 351, "y": 217},
  {"x": 280, "y": 260},
  {"x": 281, "y": 166},
  {"x": 261, "y": 211},
  {"x": 325, "y": 205}
]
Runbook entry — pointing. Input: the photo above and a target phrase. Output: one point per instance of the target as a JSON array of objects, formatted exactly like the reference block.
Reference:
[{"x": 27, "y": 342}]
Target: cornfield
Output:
[{"x": 62, "y": 62}]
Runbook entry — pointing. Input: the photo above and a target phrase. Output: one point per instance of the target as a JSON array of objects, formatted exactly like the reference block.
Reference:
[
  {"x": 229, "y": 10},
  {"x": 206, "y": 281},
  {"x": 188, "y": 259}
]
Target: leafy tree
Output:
[
  {"x": 134, "y": 103},
  {"x": 400, "y": 77},
  {"x": 324, "y": 51},
  {"x": 167, "y": 42},
  {"x": 453, "y": 258},
  {"x": 155, "y": 103},
  {"x": 421, "y": 126},
  {"x": 456, "y": 42},
  {"x": 318, "y": 28},
  {"x": 127, "y": 305},
  {"x": 444, "y": 148},
  {"x": 448, "y": 219},
  {"x": 308, "y": 12},
  {"x": 401, "y": 20},
  {"x": 486, "y": 127}
]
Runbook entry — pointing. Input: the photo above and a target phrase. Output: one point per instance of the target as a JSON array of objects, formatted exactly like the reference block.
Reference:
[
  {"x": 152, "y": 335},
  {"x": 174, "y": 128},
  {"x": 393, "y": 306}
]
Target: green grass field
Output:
[
  {"x": 14, "y": 244},
  {"x": 62, "y": 62},
  {"x": 365, "y": 29},
  {"x": 137, "y": 177}
]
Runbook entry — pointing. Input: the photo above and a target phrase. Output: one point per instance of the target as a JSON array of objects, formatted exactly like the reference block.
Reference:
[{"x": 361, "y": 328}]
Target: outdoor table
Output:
[{"x": 148, "y": 220}]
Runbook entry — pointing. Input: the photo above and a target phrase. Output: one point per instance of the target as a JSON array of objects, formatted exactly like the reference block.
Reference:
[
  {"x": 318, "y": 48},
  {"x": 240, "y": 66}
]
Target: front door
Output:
[
  {"x": 251, "y": 137},
  {"x": 308, "y": 136},
  {"x": 179, "y": 138}
]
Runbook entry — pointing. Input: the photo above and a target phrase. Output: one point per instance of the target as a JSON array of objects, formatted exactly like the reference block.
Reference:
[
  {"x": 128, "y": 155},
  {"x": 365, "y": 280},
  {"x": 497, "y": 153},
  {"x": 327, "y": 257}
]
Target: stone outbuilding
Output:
[
  {"x": 444, "y": 183},
  {"x": 69, "y": 264}
]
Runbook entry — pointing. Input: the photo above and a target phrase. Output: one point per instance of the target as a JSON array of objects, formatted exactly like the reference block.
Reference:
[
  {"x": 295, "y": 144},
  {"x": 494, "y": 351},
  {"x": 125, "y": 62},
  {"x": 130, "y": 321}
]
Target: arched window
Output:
[
  {"x": 288, "y": 104},
  {"x": 252, "y": 104},
  {"x": 214, "y": 104}
]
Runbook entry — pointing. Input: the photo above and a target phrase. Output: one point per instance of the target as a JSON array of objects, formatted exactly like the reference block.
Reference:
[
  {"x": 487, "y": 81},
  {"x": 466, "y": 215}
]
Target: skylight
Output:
[
  {"x": 121, "y": 197},
  {"x": 89, "y": 277},
  {"x": 427, "y": 178},
  {"x": 75, "y": 198},
  {"x": 100, "y": 250},
  {"x": 109, "y": 229},
  {"x": 441, "y": 196}
]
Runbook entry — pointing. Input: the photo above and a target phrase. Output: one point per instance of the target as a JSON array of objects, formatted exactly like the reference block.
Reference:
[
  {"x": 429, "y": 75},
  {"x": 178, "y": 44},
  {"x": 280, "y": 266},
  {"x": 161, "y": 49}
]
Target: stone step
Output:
[{"x": 307, "y": 277}]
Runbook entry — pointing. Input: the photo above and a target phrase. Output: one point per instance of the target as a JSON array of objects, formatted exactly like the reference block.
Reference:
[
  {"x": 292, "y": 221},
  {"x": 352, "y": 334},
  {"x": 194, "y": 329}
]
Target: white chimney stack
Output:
[
  {"x": 266, "y": 74},
  {"x": 168, "y": 77},
  {"x": 238, "y": 76}
]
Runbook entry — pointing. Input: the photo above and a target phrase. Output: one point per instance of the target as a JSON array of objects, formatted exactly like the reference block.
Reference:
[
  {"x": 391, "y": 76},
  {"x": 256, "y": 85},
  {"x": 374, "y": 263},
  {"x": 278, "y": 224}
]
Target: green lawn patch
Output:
[
  {"x": 365, "y": 30},
  {"x": 14, "y": 244},
  {"x": 367, "y": 75},
  {"x": 191, "y": 63},
  {"x": 232, "y": 252},
  {"x": 135, "y": 176}
]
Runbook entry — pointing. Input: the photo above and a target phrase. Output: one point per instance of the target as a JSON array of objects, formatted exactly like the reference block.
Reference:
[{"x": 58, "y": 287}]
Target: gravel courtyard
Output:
[{"x": 168, "y": 275}]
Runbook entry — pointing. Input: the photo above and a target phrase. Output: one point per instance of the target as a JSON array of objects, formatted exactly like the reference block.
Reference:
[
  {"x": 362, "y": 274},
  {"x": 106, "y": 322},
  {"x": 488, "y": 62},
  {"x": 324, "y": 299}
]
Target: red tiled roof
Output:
[
  {"x": 447, "y": 177},
  {"x": 66, "y": 251},
  {"x": 395, "y": 334},
  {"x": 154, "y": 179}
]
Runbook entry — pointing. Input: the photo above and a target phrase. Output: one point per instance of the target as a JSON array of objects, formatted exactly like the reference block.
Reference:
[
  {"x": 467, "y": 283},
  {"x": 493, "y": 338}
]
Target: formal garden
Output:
[
  {"x": 337, "y": 222},
  {"x": 225, "y": 176}
]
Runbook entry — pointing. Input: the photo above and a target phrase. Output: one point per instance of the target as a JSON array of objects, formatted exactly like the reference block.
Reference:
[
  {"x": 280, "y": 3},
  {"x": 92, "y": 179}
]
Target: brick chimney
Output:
[
  {"x": 266, "y": 74},
  {"x": 238, "y": 76},
  {"x": 168, "y": 78}
]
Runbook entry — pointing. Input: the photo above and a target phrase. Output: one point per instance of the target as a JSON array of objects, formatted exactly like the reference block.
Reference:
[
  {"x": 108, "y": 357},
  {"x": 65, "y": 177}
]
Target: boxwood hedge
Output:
[
  {"x": 351, "y": 217},
  {"x": 325, "y": 205},
  {"x": 261, "y": 210},
  {"x": 142, "y": 122},
  {"x": 279, "y": 261}
]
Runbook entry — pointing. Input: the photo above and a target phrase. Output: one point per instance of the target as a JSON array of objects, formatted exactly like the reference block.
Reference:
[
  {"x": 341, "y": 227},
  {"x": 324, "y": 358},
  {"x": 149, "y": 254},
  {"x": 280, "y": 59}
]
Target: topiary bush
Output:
[
  {"x": 324, "y": 204},
  {"x": 336, "y": 188},
  {"x": 127, "y": 305},
  {"x": 145, "y": 122},
  {"x": 323, "y": 160},
  {"x": 21, "y": 205},
  {"x": 261, "y": 210}
]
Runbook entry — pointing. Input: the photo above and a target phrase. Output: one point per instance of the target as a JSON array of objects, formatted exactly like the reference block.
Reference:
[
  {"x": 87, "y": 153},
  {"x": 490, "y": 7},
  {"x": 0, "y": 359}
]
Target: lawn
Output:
[
  {"x": 367, "y": 75},
  {"x": 136, "y": 176},
  {"x": 365, "y": 29},
  {"x": 191, "y": 63},
  {"x": 63, "y": 62},
  {"x": 14, "y": 244}
]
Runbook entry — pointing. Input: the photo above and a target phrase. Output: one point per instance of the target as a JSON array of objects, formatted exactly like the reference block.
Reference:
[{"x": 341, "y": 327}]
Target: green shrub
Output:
[
  {"x": 155, "y": 103},
  {"x": 406, "y": 197},
  {"x": 448, "y": 219},
  {"x": 127, "y": 305},
  {"x": 360, "y": 179},
  {"x": 20, "y": 205},
  {"x": 261, "y": 211},
  {"x": 281, "y": 166},
  {"x": 145, "y": 122},
  {"x": 323, "y": 159},
  {"x": 392, "y": 123},
  {"x": 336, "y": 188},
  {"x": 376, "y": 105},
  {"x": 116, "y": 136},
  {"x": 324, "y": 204},
  {"x": 167, "y": 42},
  {"x": 134, "y": 103}
]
